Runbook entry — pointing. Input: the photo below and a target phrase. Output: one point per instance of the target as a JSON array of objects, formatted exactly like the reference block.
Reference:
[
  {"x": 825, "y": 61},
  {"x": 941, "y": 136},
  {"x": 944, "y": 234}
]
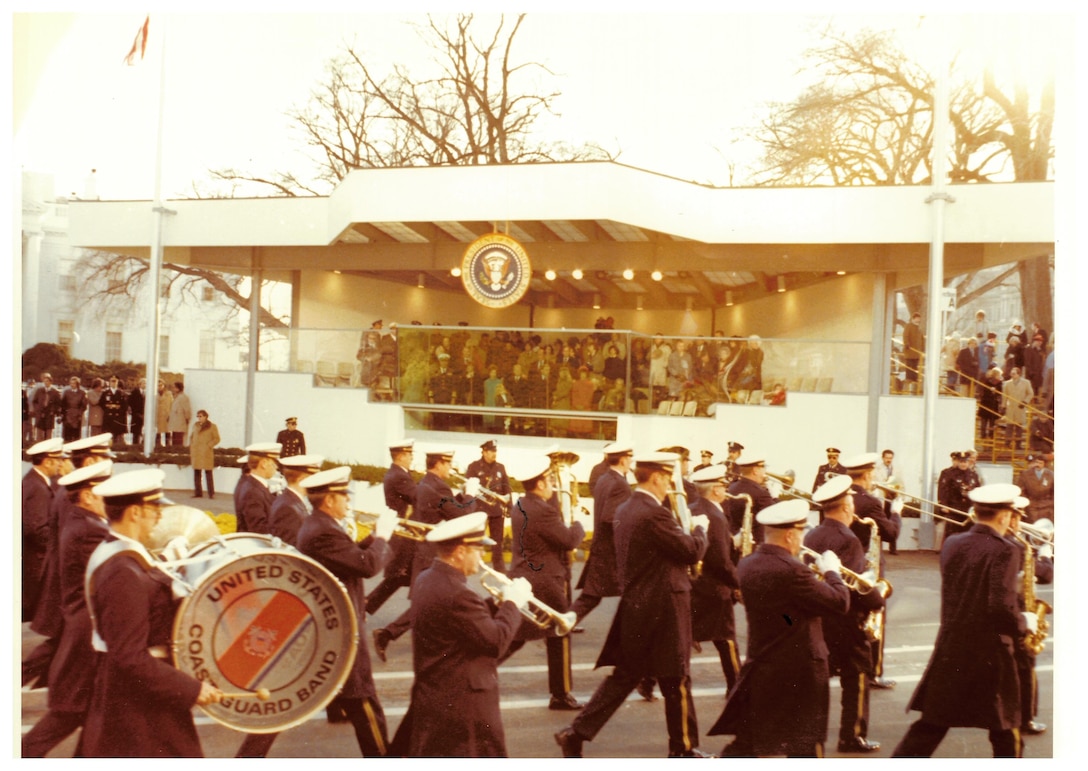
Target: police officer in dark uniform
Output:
[
  {"x": 291, "y": 507},
  {"x": 435, "y": 503},
  {"x": 493, "y": 476},
  {"x": 323, "y": 538},
  {"x": 141, "y": 705},
  {"x": 599, "y": 578},
  {"x": 731, "y": 472},
  {"x": 831, "y": 467},
  {"x": 849, "y": 653},
  {"x": 953, "y": 494},
  {"x": 779, "y": 705},
  {"x": 73, "y": 667},
  {"x": 715, "y": 591},
  {"x": 860, "y": 469},
  {"x": 253, "y": 500},
  {"x": 751, "y": 481},
  {"x": 650, "y": 635},
  {"x": 706, "y": 458},
  {"x": 114, "y": 403},
  {"x": 542, "y": 555},
  {"x": 971, "y": 678},
  {"x": 292, "y": 441},
  {"x": 400, "y": 496}
]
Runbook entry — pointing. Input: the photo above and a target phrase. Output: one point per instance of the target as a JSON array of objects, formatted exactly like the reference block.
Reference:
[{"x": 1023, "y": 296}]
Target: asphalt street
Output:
[{"x": 637, "y": 730}]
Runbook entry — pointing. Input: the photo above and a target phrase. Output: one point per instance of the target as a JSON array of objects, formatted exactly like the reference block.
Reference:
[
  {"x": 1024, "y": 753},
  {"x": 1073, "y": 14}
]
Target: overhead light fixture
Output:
[
  {"x": 596, "y": 302},
  {"x": 840, "y": 273},
  {"x": 576, "y": 274},
  {"x": 421, "y": 282},
  {"x": 455, "y": 272},
  {"x": 781, "y": 283},
  {"x": 337, "y": 272},
  {"x": 638, "y": 302},
  {"x": 549, "y": 274},
  {"x": 628, "y": 274},
  {"x": 656, "y": 275},
  {"x": 728, "y": 298}
]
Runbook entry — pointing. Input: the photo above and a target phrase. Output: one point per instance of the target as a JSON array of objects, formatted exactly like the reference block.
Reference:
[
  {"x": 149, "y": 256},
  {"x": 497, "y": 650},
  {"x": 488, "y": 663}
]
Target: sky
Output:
[{"x": 671, "y": 92}]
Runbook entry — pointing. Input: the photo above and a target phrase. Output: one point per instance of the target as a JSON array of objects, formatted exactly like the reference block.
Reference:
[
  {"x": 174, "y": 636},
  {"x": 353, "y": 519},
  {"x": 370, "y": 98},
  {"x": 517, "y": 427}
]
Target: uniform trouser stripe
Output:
[
  {"x": 375, "y": 726},
  {"x": 559, "y": 676}
]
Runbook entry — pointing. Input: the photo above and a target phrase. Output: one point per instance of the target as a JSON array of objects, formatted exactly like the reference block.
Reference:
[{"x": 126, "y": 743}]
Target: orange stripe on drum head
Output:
[{"x": 259, "y": 642}]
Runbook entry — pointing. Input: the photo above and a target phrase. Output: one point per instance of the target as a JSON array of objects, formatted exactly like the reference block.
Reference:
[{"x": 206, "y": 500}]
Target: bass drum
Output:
[{"x": 262, "y": 615}]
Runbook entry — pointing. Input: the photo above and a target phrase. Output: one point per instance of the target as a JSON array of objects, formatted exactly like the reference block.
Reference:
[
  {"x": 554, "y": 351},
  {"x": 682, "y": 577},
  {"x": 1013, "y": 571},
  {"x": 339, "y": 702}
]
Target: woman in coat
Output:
[
  {"x": 202, "y": 445},
  {"x": 162, "y": 415}
]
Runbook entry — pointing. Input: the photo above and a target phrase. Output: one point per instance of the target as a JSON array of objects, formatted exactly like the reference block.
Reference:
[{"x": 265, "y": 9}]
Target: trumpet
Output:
[
  {"x": 539, "y": 614},
  {"x": 786, "y": 487},
  {"x": 487, "y": 494},
  {"x": 406, "y": 528},
  {"x": 858, "y": 582}
]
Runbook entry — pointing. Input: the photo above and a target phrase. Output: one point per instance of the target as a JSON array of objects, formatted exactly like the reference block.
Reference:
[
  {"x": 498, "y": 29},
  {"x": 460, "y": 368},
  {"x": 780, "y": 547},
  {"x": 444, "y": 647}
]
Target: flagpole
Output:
[{"x": 157, "y": 214}]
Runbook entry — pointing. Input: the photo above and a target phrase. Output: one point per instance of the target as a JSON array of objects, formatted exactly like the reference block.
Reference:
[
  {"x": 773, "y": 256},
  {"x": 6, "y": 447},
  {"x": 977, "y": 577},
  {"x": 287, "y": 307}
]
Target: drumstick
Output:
[{"x": 261, "y": 694}]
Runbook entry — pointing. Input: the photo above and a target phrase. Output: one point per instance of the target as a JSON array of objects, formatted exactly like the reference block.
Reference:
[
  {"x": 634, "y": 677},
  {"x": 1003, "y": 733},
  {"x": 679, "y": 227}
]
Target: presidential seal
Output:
[{"x": 496, "y": 270}]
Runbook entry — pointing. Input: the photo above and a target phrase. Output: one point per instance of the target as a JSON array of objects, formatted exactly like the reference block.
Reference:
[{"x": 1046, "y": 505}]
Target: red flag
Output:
[{"x": 139, "y": 45}]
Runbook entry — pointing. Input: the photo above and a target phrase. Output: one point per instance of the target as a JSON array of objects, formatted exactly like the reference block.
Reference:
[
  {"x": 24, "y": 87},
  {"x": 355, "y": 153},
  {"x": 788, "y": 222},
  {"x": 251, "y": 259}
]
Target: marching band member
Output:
[
  {"x": 752, "y": 482},
  {"x": 435, "y": 503},
  {"x": 715, "y": 591},
  {"x": 599, "y": 577},
  {"x": 291, "y": 508},
  {"x": 651, "y": 631},
  {"x": 849, "y": 654},
  {"x": 493, "y": 476},
  {"x": 457, "y": 641},
  {"x": 400, "y": 496},
  {"x": 71, "y": 674},
  {"x": 1025, "y": 657},
  {"x": 542, "y": 555},
  {"x": 779, "y": 705},
  {"x": 253, "y": 499},
  {"x": 860, "y": 469},
  {"x": 971, "y": 679},
  {"x": 141, "y": 705},
  {"x": 323, "y": 538}
]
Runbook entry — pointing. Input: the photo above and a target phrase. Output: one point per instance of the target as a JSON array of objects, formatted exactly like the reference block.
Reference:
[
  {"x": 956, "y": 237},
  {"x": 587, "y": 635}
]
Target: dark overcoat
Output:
[
  {"x": 48, "y": 616},
  {"x": 141, "y": 706},
  {"x": 435, "y": 502},
  {"x": 37, "y": 497},
  {"x": 971, "y": 678},
  {"x": 888, "y": 524},
  {"x": 712, "y": 592},
  {"x": 651, "y": 631},
  {"x": 400, "y": 495},
  {"x": 599, "y": 574},
  {"x": 779, "y": 703},
  {"x": 761, "y": 499},
  {"x": 253, "y": 505},
  {"x": 457, "y": 640},
  {"x": 288, "y": 513},
  {"x": 321, "y": 538}
]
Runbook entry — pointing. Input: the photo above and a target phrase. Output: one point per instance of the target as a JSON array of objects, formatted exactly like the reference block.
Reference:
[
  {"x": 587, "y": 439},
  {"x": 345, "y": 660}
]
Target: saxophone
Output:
[
  {"x": 1034, "y": 642},
  {"x": 747, "y": 542},
  {"x": 874, "y": 621}
]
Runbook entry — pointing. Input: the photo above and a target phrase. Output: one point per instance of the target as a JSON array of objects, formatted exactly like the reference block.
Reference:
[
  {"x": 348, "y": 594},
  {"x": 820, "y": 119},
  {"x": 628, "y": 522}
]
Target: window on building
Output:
[
  {"x": 66, "y": 333},
  {"x": 207, "y": 349},
  {"x": 113, "y": 345},
  {"x": 209, "y": 294},
  {"x": 164, "y": 351}
]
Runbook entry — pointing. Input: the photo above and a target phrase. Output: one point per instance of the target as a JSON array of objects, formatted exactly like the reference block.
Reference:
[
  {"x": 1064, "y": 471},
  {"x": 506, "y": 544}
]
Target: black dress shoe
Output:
[
  {"x": 1033, "y": 728},
  {"x": 694, "y": 752},
  {"x": 334, "y": 713},
  {"x": 565, "y": 702},
  {"x": 645, "y": 689},
  {"x": 382, "y": 639},
  {"x": 881, "y": 684},
  {"x": 570, "y": 742},
  {"x": 696, "y": 646},
  {"x": 858, "y": 744}
]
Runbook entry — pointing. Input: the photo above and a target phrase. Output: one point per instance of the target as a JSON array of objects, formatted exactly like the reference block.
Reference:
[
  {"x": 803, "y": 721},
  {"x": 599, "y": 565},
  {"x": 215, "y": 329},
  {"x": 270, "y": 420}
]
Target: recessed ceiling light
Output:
[
  {"x": 576, "y": 274},
  {"x": 656, "y": 275},
  {"x": 628, "y": 274},
  {"x": 549, "y": 274}
]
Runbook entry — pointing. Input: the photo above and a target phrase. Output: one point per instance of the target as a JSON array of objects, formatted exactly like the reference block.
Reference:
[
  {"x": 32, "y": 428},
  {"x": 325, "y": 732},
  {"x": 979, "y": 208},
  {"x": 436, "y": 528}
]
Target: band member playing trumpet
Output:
[
  {"x": 435, "y": 503},
  {"x": 717, "y": 589},
  {"x": 141, "y": 706},
  {"x": 542, "y": 555},
  {"x": 849, "y": 654},
  {"x": 323, "y": 538},
  {"x": 867, "y": 506},
  {"x": 971, "y": 679},
  {"x": 780, "y": 703},
  {"x": 752, "y": 482},
  {"x": 651, "y": 632},
  {"x": 492, "y": 476},
  {"x": 458, "y": 639},
  {"x": 400, "y": 495}
]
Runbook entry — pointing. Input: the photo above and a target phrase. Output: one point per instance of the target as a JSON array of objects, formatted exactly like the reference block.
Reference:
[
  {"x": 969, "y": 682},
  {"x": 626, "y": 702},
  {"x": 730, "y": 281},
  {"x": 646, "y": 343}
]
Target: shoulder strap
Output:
[{"x": 103, "y": 553}]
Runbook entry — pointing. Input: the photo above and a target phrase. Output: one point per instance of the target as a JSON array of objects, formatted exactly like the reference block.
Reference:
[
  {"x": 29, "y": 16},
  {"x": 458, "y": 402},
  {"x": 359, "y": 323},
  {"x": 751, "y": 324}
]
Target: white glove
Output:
[
  {"x": 897, "y": 507},
  {"x": 518, "y": 592},
  {"x": 1046, "y": 552},
  {"x": 736, "y": 541},
  {"x": 472, "y": 487},
  {"x": 701, "y": 520},
  {"x": 386, "y": 524},
  {"x": 1032, "y": 622},
  {"x": 177, "y": 548},
  {"x": 829, "y": 562}
]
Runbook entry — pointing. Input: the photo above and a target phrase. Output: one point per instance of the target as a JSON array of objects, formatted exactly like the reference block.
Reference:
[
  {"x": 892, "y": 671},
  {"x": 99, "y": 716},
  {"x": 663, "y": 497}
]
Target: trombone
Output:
[
  {"x": 486, "y": 493},
  {"x": 540, "y": 615},
  {"x": 967, "y": 516},
  {"x": 406, "y": 528},
  {"x": 785, "y": 482},
  {"x": 858, "y": 582}
]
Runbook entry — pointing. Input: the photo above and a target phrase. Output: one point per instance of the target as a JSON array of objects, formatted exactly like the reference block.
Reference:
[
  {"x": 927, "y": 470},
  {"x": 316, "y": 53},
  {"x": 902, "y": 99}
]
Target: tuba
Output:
[
  {"x": 1034, "y": 642},
  {"x": 874, "y": 621},
  {"x": 540, "y": 615}
]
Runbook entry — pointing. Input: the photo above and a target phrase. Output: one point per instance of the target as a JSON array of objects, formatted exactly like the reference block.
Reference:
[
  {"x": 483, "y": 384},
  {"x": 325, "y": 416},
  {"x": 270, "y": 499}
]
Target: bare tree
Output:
[
  {"x": 869, "y": 122},
  {"x": 478, "y": 104}
]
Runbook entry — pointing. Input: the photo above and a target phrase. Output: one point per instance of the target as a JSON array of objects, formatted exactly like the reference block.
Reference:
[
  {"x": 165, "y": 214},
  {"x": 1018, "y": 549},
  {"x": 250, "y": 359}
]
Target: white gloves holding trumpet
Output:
[
  {"x": 472, "y": 487},
  {"x": 828, "y": 562},
  {"x": 518, "y": 591},
  {"x": 385, "y": 524}
]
